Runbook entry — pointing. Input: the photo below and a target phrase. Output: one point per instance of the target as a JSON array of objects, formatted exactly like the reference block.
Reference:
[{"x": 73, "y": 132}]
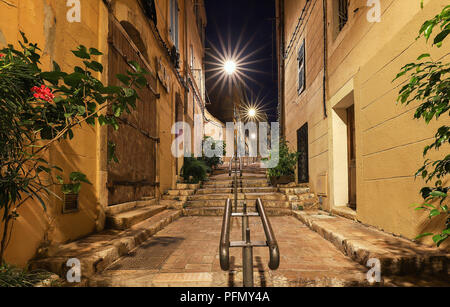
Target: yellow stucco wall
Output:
[
  {"x": 363, "y": 59},
  {"x": 44, "y": 22}
]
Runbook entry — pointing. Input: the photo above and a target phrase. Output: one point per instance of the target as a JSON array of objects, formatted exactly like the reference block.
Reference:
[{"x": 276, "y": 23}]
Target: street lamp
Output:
[
  {"x": 230, "y": 67},
  {"x": 252, "y": 112}
]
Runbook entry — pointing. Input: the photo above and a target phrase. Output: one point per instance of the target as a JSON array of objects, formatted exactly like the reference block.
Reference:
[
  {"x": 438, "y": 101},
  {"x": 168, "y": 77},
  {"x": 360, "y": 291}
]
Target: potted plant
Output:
[
  {"x": 284, "y": 172},
  {"x": 71, "y": 191}
]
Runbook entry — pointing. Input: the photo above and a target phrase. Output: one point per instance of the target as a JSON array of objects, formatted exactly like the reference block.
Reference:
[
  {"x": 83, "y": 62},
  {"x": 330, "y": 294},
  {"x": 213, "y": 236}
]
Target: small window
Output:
[
  {"x": 192, "y": 60},
  {"x": 301, "y": 69},
  {"x": 343, "y": 13},
  {"x": 174, "y": 22}
]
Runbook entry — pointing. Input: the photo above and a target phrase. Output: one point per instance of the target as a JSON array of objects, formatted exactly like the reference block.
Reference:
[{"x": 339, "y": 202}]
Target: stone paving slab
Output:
[
  {"x": 398, "y": 256},
  {"x": 186, "y": 254}
]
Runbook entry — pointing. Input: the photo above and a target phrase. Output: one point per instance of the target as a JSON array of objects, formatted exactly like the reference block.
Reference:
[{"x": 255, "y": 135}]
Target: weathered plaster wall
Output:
[{"x": 44, "y": 22}]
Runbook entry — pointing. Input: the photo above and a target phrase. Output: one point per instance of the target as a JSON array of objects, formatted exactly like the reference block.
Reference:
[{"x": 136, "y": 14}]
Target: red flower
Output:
[
  {"x": 2, "y": 55},
  {"x": 43, "y": 93}
]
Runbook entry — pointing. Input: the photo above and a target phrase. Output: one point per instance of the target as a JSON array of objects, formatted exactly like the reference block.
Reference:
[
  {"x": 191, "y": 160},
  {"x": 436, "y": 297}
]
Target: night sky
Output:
[{"x": 255, "y": 19}]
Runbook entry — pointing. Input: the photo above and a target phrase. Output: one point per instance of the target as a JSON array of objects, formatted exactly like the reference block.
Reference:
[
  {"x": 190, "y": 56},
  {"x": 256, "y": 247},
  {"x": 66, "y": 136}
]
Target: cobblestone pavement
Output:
[{"x": 186, "y": 254}]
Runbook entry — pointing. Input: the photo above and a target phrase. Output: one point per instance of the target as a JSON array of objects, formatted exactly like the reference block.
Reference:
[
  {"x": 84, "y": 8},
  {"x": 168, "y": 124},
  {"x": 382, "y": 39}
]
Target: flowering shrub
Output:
[{"x": 43, "y": 93}]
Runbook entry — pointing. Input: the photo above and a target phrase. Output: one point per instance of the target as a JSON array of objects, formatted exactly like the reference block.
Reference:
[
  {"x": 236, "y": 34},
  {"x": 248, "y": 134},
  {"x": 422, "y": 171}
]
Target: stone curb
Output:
[{"x": 415, "y": 260}]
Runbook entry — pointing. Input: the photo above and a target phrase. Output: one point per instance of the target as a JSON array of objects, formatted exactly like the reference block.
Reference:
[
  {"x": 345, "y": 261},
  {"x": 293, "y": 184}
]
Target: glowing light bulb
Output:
[
  {"x": 252, "y": 113},
  {"x": 230, "y": 67}
]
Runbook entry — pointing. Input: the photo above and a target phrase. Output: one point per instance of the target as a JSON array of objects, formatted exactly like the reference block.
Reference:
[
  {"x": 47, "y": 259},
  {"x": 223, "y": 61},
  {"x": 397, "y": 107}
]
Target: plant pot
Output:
[{"x": 274, "y": 181}]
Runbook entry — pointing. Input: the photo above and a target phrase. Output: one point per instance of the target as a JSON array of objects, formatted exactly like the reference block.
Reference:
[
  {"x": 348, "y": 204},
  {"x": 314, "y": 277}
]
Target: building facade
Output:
[
  {"x": 359, "y": 149},
  {"x": 166, "y": 37}
]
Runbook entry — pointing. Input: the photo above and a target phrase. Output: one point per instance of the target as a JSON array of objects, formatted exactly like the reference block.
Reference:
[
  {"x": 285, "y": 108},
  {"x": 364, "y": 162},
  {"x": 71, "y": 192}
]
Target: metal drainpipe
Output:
[
  {"x": 186, "y": 76},
  {"x": 282, "y": 71},
  {"x": 325, "y": 56}
]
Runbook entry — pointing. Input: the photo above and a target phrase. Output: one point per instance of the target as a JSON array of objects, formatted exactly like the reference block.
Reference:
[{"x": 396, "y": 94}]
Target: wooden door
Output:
[{"x": 136, "y": 140}]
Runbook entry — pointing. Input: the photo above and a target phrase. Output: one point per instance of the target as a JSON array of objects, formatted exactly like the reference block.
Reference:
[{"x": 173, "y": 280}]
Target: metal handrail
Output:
[
  {"x": 225, "y": 237},
  {"x": 246, "y": 244},
  {"x": 274, "y": 251}
]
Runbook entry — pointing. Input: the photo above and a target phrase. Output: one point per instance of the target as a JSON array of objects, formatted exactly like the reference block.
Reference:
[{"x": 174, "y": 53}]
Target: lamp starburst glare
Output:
[{"x": 230, "y": 67}]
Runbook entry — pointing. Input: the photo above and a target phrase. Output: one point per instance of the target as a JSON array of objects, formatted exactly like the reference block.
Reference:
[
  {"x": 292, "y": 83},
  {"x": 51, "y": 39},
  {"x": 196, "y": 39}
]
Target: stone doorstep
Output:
[
  {"x": 397, "y": 256},
  {"x": 97, "y": 252},
  {"x": 346, "y": 212},
  {"x": 129, "y": 218}
]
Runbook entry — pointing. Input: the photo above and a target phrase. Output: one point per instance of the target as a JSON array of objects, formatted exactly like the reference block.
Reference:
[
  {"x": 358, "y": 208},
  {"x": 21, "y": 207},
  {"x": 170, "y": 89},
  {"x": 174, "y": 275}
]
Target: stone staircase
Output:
[
  {"x": 210, "y": 199},
  {"x": 123, "y": 216},
  {"x": 129, "y": 225},
  {"x": 176, "y": 198}
]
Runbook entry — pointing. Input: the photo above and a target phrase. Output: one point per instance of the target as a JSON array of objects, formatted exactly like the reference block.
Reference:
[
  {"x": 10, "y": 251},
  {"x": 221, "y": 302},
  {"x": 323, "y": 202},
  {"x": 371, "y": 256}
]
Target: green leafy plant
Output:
[
  {"x": 194, "y": 170},
  {"x": 215, "y": 161},
  {"x": 429, "y": 84},
  {"x": 74, "y": 187},
  {"x": 287, "y": 161},
  {"x": 39, "y": 109}
]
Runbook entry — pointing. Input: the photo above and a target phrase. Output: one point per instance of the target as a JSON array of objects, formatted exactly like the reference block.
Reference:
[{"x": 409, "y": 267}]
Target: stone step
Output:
[
  {"x": 252, "y": 196},
  {"x": 240, "y": 190},
  {"x": 219, "y": 211},
  {"x": 186, "y": 186},
  {"x": 172, "y": 204},
  {"x": 298, "y": 190},
  {"x": 181, "y": 192},
  {"x": 97, "y": 252},
  {"x": 228, "y": 179},
  {"x": 125, "y": 220},
  {"x": 116, "y": 209},
  {"x": 250, "y": 204},
  {"x": 230, "y": 185},
  {"x": 177, "y": 198}
]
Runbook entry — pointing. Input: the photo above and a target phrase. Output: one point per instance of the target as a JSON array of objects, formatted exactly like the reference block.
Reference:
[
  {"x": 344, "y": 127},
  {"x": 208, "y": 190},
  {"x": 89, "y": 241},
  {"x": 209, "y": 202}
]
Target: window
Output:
[
  {"x": 343, "y": 13},
  {"x": 301, "y": 69},
  {"x": 174, "y": 22},
  {"x": 192, "y": 61}
]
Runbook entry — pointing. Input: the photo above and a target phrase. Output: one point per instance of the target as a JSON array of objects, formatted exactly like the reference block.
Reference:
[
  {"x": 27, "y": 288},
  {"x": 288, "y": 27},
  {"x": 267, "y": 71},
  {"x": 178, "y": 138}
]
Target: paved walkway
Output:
[{"x": 186, "y": 254}]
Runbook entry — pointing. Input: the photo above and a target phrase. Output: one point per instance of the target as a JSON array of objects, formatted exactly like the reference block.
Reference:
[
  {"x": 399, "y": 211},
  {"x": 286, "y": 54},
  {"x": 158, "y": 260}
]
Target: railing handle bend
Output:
[{"x": 274, "y": 251}]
